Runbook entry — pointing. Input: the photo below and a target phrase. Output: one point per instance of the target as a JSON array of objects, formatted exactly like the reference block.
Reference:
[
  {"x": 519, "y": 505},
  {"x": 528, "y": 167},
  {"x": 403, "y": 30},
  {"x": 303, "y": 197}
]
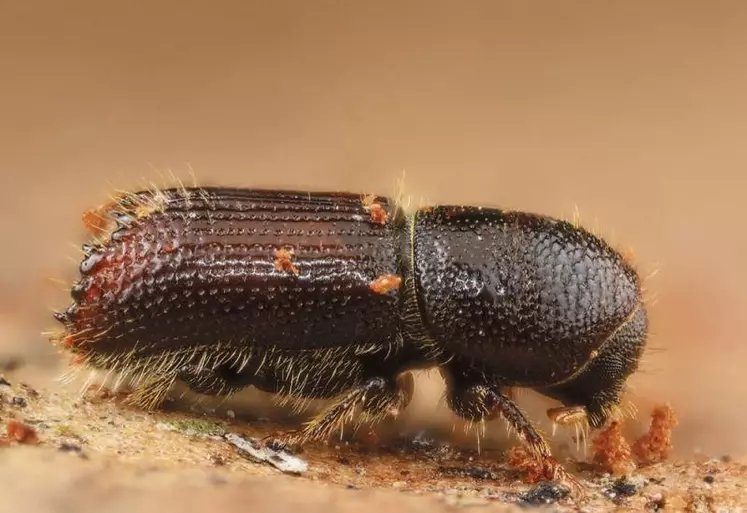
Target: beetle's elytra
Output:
[{"x": 338, "y": 295}]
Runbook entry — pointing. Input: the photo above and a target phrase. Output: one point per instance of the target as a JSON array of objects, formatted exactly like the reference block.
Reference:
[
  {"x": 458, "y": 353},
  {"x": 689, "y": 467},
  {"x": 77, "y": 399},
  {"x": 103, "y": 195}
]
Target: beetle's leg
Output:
[
  {"x": 568, "y": 415},
  {"x": 205, "y": 381},
  {"x": 483, "y": 401},
  {"x": 219, "y": 381},
  {"x": 478, "y": 402},
  {"x": 572, "y": 416},
  {"x": 378, "y": 397},
  {"x": 390, "y": 404},
  {"x": 576, "y": 416}
]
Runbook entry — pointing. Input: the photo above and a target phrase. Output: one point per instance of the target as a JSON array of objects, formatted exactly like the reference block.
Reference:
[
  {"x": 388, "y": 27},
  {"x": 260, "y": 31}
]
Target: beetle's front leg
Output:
[
  {"x": 486, "y": 402},
  {"x": 473, "y": 399},
  {"x": 565, "y": 416}
]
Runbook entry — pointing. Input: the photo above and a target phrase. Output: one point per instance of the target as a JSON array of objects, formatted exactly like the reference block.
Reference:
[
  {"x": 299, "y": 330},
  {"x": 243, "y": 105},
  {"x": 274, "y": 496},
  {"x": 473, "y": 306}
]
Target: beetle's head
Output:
[{"x": 599, "y": 386}]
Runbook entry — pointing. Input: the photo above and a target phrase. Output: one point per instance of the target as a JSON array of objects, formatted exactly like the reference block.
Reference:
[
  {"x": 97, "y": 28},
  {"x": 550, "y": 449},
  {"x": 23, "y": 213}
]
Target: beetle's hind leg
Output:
[
  {"x": 376, "y": 397},
  {"x": 473, "y": 399}
]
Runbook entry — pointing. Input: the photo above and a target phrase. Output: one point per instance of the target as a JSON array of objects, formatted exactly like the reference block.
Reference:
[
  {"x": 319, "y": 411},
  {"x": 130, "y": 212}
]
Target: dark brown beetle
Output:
[{"x": 337, "y": 295}]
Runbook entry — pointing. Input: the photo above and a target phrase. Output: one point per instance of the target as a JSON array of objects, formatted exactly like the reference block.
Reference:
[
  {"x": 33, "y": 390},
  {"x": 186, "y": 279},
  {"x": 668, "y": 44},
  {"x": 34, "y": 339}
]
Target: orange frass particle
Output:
[
  {"x": 68, "y": 341},
  {"x": 532, "y": 470},
  {"x": 96, "y": 219},
  {"x": 21, "y": 433},
  {"x": 284, "y": 261},
  {"x": 612, "y": 452},
  {"x": 169, "y": 247},
  {"x": 385, "y": 283},
  {"x": 375, "y": 210},
  {"x": 655, "y": 445},
  {"x": 77, "y": 360}
]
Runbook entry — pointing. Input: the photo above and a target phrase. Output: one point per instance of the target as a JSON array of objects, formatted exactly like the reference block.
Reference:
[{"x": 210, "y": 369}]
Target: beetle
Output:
[{"x": 339, "y": 296}]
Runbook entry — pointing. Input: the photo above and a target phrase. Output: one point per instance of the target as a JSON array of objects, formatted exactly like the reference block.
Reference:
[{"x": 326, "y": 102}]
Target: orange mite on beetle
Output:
[{"x": 202, "y": 286}]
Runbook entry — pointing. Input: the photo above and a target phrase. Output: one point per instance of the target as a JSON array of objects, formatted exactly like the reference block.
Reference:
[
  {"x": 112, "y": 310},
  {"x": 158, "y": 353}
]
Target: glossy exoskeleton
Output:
[{"x": 337, "y": 295}]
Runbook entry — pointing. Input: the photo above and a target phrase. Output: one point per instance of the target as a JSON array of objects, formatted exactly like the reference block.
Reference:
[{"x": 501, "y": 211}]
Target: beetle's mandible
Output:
[{"x": 338, "y": 295}]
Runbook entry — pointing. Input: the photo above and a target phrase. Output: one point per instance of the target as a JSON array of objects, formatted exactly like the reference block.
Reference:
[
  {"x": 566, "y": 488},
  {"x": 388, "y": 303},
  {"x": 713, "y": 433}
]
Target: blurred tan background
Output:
[{"x": 634, "y": 111}]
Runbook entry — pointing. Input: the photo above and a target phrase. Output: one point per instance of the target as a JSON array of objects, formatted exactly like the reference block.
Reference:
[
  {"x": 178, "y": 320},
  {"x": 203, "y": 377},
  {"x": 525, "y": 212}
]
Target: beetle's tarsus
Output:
[{"x": 280, "y": 441}]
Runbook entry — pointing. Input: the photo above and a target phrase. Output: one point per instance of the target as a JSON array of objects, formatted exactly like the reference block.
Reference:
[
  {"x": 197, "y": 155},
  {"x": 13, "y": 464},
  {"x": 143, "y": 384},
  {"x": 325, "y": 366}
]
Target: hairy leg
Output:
[
  {"x": 475, "y": 400},
  {"x": 377, "y": 397}
]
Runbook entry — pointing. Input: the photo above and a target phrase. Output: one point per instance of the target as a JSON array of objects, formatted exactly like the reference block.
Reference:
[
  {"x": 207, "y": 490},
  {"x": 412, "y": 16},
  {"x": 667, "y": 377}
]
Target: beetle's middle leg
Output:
[
  {"x": 472, "y": 398},
  {"x": 377, "y": 397}
]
